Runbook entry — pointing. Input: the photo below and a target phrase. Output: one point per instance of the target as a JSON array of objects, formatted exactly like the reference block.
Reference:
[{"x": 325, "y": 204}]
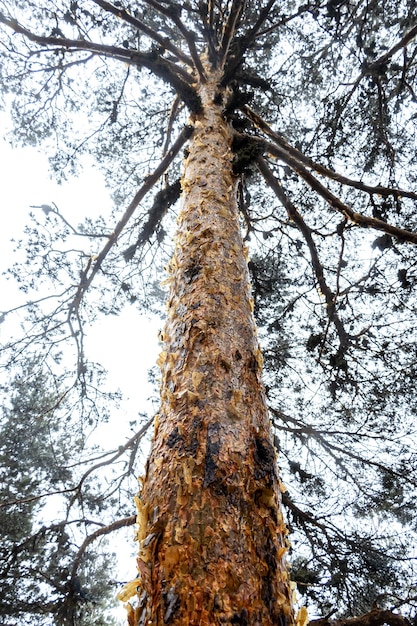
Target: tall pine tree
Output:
[{"x": 299, "y": 121}]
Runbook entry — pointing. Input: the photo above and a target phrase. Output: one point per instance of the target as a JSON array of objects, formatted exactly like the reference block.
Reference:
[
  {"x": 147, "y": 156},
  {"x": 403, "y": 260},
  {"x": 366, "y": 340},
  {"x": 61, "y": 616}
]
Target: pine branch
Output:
[
  {"x": 304, "y": 8},
  {"x": 205, "y": 11},
  {"x": 165, "y": 198},
  {"x": 172, "y": 117},
  {"x": 46, "y": 208},
  {"x": 321, "y": 169},
  {"x": 170, "y": 72},
  {"x": 115, "y": 455},
  {"x": 152, "y": 34},
  {"x": 334, "y": 201},
  {"x": 336, "y": 451},
  {"x": 375, "y": 617},
  {"x": 19, "y": 501},
  {"x": 244, "y": 43},
  {"x": 106, "y": 530},
  {"x": 229, "y": 29},
  {"x": 369, "y": 69},
  {"x": 92, "y": 268},
  {"x": 305, "y": 516},
  {"x": 382, "y": 60},
  {"x": 173, "y": 12},
  {"x": 295, "y": 216}
]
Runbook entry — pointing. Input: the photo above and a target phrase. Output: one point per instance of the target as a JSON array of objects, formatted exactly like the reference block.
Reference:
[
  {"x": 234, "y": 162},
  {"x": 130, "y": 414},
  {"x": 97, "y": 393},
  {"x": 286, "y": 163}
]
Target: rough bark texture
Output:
[{"x": 211, "y": 530}]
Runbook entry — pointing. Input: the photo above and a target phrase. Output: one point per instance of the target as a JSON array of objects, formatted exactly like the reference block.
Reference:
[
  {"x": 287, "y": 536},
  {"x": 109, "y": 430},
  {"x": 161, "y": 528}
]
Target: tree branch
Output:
[
  {"x": 34, "y": 498},
  {"x": 122, "y": 449},
  {"x": 171, "y": 73},
  {"x": 165, "y": 198},
  {"x": 46, "y": 208},
  {"x": 172, "y": 14},
  {"x": 334, "y": 202},
  {"x": 93, "y": 267},
  {"x": 172, "y": 116},
  {"x": 321, "y": 169},
  {"x": 295, "y": 216},
  {"x": 106, "y": 530},
  {"x": 375, "y": 617},
  {"x": 402, "y": 43},
  {"x": 303, "y": 8},
  {"x": 205, "y": 12},
  {"x": 245, "y": 42},
  {"x": 152, "y": 34},
  {"x": 229, "y": 29}
]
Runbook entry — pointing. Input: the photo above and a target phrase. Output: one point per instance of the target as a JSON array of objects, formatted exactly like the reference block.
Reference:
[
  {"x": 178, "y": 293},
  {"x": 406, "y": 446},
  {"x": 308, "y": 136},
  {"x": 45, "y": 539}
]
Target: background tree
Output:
[
  {"x": 322, "y": 100},
  {"x": 39, "y": 450}
]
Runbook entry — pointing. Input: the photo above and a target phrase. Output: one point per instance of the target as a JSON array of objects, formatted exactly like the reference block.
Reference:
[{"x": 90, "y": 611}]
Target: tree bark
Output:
[{"x": 211, "y": 529}]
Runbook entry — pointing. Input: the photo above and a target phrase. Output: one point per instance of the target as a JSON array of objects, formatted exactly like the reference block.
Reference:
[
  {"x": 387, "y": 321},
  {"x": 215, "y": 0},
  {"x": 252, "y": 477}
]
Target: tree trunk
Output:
[{"x": 211, "y": 530}]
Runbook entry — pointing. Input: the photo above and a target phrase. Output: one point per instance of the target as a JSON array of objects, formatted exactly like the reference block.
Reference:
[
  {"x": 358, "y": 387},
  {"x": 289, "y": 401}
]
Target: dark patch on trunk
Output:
[
  {"x": 282, "y": 619},
  {"x": 267, "y": 593},
  {"x": 271, "y": 554},
  {"x": 194, "y": 443},
  {"x": 192, "y": 272},
  {"x": 225, "y": 365},
  {"x": 268, "y": 553},
  {"x": 253, "y": 364},
  {"x": 172, "y": 604},
  {"x": 241, "y": 618},
  {"x": 264, "y": 460},
  {"x": 218, "y": 98},
  {"x": 175, "y": 438},
  {"x": 212, "y": 453},
  {"x": 187, "y": 443}
]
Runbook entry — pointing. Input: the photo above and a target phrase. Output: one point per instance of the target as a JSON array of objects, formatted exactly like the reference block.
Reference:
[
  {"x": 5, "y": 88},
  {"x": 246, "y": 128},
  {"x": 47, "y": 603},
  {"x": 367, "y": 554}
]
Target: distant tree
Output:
[
  {"x": 298, "y": 123},
  {"x": 40, "y": 541}
]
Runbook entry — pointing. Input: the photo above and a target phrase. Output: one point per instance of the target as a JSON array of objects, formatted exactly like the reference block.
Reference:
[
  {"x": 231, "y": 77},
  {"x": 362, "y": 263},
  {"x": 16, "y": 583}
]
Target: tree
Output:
[
  {"x": 317, "y": 101},
  {"x": 37, "y": 552}
]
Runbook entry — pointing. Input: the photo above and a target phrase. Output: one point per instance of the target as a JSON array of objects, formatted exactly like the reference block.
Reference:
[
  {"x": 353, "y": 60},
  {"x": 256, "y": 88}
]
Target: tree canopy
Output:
[{"x": 321, "y": 96}]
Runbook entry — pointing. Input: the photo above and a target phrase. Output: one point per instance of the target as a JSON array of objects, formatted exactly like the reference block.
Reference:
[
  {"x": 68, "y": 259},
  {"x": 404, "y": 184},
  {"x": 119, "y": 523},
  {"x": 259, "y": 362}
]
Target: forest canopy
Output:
[{"x": 321, "y": 96}]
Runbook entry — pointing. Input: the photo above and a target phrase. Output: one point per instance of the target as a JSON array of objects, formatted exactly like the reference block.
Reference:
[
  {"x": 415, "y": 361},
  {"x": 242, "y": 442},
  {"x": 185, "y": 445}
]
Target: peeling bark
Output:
[{"x": 211, "y": 531}]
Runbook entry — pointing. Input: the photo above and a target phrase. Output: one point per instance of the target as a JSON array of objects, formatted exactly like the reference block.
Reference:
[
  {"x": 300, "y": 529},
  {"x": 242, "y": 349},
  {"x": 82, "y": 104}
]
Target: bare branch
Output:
[
  {"x": 296, "y": 217},
  {"x": 93, "y": 267}
]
